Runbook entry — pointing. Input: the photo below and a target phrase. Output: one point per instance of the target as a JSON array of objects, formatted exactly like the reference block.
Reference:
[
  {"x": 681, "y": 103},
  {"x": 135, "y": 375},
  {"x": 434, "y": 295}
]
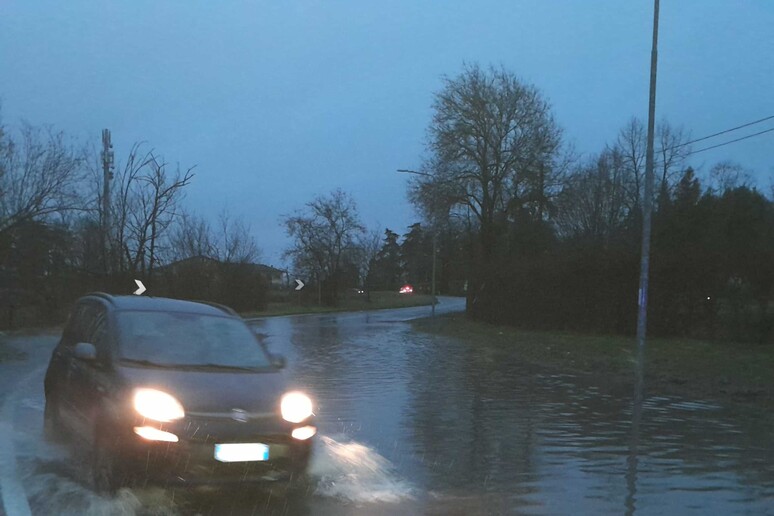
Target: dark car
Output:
[{"x": 172, "y": 391}]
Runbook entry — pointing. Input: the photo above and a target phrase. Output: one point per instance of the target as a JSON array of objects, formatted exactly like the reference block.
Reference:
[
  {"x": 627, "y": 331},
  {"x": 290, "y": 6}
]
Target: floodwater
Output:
[{"x": 413, "y": 423}]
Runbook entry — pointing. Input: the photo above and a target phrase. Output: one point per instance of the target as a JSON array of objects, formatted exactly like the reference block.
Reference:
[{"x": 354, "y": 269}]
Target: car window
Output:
[
  {"x": 68, "y": 335},
  {"x": 81, "y": 319},
  {"x": 172, "y": 338},
  {"x": 98, "y": 332},
  {"x": 87, "y": 322}
]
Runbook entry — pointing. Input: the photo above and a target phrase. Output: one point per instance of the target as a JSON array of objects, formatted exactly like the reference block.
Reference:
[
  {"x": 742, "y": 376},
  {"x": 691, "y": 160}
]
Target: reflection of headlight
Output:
[
  {"x": 157, "y": 405},
  {"x": 295, "y": 407}
]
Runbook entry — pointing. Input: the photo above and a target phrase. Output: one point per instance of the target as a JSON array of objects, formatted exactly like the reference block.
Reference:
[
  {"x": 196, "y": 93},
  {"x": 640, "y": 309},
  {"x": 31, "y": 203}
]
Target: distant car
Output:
[
  {"x": 406, "y": 289},
  {"x": 173, "y": 391}
]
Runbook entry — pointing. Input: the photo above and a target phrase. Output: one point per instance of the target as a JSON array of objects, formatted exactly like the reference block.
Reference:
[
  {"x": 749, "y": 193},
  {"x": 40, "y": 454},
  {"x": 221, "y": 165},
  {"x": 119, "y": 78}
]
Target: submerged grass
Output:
[
  {"x": 352, "y": 303},
  {"x": 700, "y": 369}
]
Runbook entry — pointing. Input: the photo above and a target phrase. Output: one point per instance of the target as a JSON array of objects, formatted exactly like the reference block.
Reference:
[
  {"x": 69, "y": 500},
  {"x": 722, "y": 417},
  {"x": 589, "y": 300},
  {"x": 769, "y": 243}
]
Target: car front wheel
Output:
[
  {"x": 104, "y": 466},
  {"x": 52, "y": 423}
]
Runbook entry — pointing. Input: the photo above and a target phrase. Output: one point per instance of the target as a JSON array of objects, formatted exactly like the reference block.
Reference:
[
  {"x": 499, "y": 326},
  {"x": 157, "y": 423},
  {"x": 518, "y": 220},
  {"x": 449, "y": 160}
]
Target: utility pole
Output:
[
  {"x": 107, "y": 176},
  {"x": 632, "y": 460},
  {"x": 432, "y": 292},
  {"x": 647, "y": 204}
]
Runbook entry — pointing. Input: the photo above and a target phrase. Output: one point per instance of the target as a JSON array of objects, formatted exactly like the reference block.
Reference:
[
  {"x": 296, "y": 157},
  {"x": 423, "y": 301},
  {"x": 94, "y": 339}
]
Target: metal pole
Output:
[
  {"x": 432, "y": 291},
  {"x": 647, "y": 205},
  {"x": 642, "y": 314}
]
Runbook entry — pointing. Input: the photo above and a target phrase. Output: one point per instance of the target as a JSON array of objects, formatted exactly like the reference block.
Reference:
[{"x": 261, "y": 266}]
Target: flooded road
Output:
[{"x": 413, "y": 423}]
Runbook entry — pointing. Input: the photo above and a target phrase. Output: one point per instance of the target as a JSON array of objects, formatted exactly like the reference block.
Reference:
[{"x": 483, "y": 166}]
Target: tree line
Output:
[
  {"x": 334, "y": 252},
  {"x": 554, "y": 238},
  {"x": 532, "y": 233},
  {"x": 57, "y": 242}
]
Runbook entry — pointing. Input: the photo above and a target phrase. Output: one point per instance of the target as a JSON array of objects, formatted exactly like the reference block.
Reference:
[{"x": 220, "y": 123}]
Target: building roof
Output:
[{"x": 257, "y": 267}]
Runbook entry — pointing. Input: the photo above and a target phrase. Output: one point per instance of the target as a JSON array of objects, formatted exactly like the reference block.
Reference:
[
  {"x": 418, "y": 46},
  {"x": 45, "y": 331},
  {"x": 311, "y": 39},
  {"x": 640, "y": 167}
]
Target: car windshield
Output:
[{"x": 188, "y": 340}]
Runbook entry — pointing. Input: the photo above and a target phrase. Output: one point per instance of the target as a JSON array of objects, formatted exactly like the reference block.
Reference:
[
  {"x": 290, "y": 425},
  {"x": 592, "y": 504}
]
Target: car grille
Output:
[{"x": 222, "y": 427}]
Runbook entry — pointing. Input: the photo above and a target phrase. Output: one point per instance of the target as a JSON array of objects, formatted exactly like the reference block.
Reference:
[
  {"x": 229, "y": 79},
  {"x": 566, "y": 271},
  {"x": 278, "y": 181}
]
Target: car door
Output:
[
  {"x": 56, "y": 374},
  {"x": 82, "y": 373},
  {"x": 95, "y": 380},
  {"x": 60, "y": 375}
]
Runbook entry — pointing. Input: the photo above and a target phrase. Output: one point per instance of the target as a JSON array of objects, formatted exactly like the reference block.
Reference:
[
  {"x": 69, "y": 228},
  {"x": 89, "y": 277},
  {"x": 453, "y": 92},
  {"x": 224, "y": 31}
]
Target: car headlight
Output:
[
  {"x": 295, "y": 407},
  {"x": 157, "y": 405}
]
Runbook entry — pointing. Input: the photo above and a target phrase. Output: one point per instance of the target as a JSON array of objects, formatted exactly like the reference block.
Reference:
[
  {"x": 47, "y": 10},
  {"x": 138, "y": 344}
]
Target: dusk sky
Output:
[{"x": 276, "y": 102}]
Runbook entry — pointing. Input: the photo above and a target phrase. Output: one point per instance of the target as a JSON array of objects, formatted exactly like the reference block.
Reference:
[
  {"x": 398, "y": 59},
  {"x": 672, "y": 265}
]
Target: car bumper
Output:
[{"x": 191, "y": 460}]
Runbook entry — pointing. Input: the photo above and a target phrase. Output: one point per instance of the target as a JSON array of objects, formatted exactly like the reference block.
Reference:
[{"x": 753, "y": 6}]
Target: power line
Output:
[
  {"x": 748, "y": 124},
  {"x": 661, "y": 162},
  {"x": 732, "y": 141}
]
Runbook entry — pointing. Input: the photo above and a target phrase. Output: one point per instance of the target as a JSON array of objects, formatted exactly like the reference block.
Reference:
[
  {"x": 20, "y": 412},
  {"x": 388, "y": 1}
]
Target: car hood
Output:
[{"x": 210, "y": 392}]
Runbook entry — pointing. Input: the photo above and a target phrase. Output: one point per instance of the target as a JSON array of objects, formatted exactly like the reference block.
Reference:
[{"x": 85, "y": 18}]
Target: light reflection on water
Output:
[{"x": 415, "y": 423}]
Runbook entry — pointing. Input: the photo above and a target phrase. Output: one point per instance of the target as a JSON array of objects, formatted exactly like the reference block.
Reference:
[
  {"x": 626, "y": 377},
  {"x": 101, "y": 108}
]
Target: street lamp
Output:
[{"x": 435, "y": 238}]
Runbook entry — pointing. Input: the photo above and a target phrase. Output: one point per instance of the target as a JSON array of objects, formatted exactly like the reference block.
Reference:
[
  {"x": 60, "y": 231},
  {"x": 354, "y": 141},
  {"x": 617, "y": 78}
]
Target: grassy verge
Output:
[
  {"x": 720, "y": 370},
  {"x": 379, "y": 300}
]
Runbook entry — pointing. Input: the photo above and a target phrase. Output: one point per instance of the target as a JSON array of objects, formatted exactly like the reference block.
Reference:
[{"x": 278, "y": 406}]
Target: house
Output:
[
  {"x": 277, "y": 278},
  {"x": 274, "y": 277}
]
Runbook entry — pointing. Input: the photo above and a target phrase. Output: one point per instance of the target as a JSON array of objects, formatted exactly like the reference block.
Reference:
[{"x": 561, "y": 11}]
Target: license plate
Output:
[{"x": 241, "y": 452}]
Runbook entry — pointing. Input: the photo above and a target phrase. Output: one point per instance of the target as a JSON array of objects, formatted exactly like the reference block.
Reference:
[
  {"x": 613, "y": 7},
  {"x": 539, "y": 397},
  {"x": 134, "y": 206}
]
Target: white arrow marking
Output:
[
  {"x": 300, "y": 284},
  {"x": 140, "y": 288}
]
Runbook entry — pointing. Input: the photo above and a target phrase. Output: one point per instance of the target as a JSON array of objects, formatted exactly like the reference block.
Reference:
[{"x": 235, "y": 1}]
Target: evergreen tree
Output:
[{"x": 387, "y": 270}]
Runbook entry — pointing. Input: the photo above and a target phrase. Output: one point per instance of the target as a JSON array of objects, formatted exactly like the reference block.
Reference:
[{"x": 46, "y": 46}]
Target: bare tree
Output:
[
  {"x": 630, "y": 144},
  {"x": 145, "y": 202},
  {"x": 670, "y": 158},
  {"x": 493, "y": 142},
  {"x": 234, "y": 244},
  {"x": 39, "y": 176},
  {"x": 123, "y": 205},
  {"x": 672, "y": 152},
  {"x": 191, "y": 236},
  {"x": 158, "y": 200},
  {"x": 368, "y": 243},
  {"x": 593, "y": 202},
  {"x": 494, "y": 149},
  {"x": 325, "y": 237},
  {"x": 727, "y": 175}
]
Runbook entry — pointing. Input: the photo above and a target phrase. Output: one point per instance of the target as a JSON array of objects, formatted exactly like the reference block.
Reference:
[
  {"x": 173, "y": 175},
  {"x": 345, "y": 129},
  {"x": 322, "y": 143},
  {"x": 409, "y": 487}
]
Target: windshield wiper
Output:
[
  {"x": 223, "y": 367},
  {"x": 145, "y": 363},
  {"x": 217, "y": 366}
]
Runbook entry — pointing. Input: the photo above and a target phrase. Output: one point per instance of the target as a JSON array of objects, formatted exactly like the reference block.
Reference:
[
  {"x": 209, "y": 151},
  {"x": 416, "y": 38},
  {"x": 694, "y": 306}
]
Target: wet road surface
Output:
[{"x": 420, "y": 424}]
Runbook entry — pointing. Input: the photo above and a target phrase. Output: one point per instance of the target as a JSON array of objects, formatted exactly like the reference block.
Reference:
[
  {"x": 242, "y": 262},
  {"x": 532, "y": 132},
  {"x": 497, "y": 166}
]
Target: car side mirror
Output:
[
  {"x": 85, "y": 351},
  {"x": 278, "y": 361}
]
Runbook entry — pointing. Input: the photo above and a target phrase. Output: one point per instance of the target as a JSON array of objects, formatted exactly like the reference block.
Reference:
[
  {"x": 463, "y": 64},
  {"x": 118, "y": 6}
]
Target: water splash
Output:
[
  {"x": 354, "y": 472},
  {"x": 341, "y": 469},
  {"x": 53, "y": 480}
]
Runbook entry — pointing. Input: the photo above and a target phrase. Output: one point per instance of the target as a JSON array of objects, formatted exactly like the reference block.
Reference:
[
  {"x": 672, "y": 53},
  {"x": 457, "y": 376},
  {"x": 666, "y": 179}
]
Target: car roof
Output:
[{"x": 162, "y": 304}]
